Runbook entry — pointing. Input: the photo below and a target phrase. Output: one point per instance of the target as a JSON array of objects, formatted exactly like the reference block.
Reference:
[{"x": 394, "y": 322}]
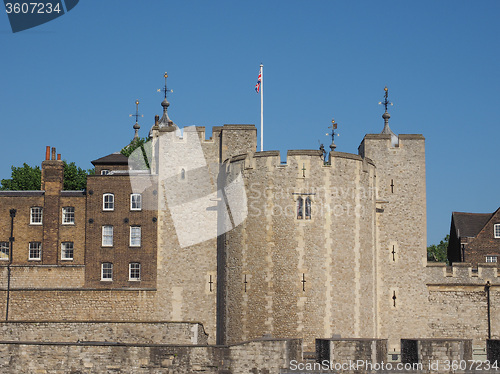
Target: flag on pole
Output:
[{"x": 259, "y": 80}]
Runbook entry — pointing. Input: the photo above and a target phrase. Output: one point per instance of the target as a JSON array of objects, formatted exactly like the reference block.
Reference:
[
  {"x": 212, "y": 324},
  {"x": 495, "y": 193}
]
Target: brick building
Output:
[{"x": 474, "y": 237}]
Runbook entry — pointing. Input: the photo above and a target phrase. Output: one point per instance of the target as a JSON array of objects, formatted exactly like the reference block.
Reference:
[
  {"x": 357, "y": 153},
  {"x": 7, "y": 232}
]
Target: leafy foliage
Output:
[
  {"x": 439, "y": 252},
  {"x": 23, "y": 178},
  {"x": 28, "y": 178},
  {"x": 140, "y": 159},
  {"x": 75, "y": 178}
]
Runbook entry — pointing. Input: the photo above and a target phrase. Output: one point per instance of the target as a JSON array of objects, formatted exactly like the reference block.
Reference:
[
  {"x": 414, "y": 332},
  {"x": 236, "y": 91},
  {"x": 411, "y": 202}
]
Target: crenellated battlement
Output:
[
  {"x": 294, "y": 156},
  {"x": 460, "y": 274}
]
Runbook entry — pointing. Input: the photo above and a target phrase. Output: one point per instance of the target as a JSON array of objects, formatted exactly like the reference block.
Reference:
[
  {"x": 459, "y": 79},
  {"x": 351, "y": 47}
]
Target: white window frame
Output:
[
  {"x": 134, "y": 271},
  {"x": 67, "y": 251},
  {"x": 491, "y": 258},
  {"x": 107, "y": 271},
  {"x": 4, "y": 251},
  {"x": 107, "y": 237},
  {"x": 496, "y": 230},
  {"x": 33, "y": 249},
  {"x": 135, "y": 236},
  {"x": 137, "y": 204},
  {"x": 108, "y": 201},
  {"x": 68, "y": 215},
  {"x": 37, "y": 220},
  {"x": 105, "y": 172}
]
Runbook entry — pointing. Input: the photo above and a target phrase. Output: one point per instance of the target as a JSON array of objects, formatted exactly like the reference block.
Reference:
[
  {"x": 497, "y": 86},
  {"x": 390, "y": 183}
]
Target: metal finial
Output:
[
  {"x": 332, "y": 134},
  {"x": 136, "y": 115},
  {"x": 165, "y": 89},
  {"x": 386, "y": 101}
]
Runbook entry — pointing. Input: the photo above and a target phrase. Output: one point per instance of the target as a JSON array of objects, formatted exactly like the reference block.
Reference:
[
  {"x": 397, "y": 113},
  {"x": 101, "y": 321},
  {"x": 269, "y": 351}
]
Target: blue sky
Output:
[{"x": 71, "y": 83}]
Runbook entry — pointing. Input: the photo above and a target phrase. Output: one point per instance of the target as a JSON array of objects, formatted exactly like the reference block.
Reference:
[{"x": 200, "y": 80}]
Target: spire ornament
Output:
[
  {"x": 136, "y": 115},
  {"x": 165, "y": 88},
  {"x": 386, "y": 116},
  {"x": 164, "y": 120},
  {"x": 332, "y": 134}
]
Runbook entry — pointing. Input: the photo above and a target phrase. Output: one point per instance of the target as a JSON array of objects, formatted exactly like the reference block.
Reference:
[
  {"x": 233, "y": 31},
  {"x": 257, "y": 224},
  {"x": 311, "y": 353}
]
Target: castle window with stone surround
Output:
[
  {"x": 300, "y": 208},
  {"x": 134, "y": 271},
  {"x": 36, "y": 215},
  {"x": 491, "y": 258},
  {"x": 135, "y": 201},
  {"x": 35, "y": 251},
  {"x": 135, "y": 236},
  {"x": 496, "y": 231},
  {"x": 107, "y": 236},
  {"x": 67, "y": 251},
  {"x": 108, "y": 201},
  {"x": 68, "y": 215},
  {"x": 4, "y": 250},
  {"x": 106, "y": 271}
]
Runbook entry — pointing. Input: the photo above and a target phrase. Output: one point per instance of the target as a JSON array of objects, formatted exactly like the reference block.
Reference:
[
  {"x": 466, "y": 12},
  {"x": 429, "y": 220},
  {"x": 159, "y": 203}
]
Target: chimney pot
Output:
[
  {"x": 58, "y": 157},
  {"x": 53, "y": 153},
  {"x": 47, "y": 153}
]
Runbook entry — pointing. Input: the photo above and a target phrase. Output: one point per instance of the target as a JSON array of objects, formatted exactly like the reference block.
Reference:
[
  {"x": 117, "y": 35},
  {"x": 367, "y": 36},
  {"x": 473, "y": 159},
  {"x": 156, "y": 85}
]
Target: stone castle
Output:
[{"x": 215, "y": 244}]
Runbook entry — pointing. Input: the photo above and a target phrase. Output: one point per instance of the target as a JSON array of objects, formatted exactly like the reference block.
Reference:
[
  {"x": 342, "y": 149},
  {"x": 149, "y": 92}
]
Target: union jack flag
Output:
[{"x": 259, "y": 80}]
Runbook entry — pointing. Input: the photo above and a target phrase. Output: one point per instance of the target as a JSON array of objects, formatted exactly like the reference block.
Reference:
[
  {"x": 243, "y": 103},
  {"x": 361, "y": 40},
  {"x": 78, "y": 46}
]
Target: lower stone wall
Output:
[
  {"x": 437, "y": 354},
  {"x": 80, "y": 305},
  {"x": 43, "y": 276},
  {"x": 109, "y": 332},
  {"x": 340, "y": 351},
  {"x": 257, "y": 357}
]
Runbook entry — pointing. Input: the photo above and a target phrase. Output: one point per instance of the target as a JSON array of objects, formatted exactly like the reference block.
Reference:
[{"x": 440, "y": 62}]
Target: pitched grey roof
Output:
[
  {"x": 470, "y": 224},
  {"x": 112, "y": 159}
]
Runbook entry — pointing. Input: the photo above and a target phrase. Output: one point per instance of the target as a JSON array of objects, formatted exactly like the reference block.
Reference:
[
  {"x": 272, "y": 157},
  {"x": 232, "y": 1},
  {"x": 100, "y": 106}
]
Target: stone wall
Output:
[
  {"x": 437, "y": 355},
  {"x": 401, "y": 230},
  {"x": 341, "y": 351},
  {"x": 259, "y": 357},
  {"x": 104, "y": 332},
  {"x": 42, "y": 276},
  {"x": 308, "y": 278}
]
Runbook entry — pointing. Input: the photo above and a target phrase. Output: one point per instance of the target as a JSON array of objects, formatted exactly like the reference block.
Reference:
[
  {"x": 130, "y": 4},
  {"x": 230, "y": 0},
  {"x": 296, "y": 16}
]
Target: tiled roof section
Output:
[
  {"x": 470, "y": 224},
  {"x": 21, "y": 193},
  {"x": 112, "y": 159}
]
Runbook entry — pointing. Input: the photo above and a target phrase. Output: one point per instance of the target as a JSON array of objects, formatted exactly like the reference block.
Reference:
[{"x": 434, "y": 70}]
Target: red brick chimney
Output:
[
  {"x": 52, "y": 184},
  {"x": 52, "y": 172}
]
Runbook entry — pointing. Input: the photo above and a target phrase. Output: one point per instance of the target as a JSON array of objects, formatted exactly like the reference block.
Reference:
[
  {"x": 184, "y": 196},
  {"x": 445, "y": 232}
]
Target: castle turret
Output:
[{"x": 401, "y": 226}]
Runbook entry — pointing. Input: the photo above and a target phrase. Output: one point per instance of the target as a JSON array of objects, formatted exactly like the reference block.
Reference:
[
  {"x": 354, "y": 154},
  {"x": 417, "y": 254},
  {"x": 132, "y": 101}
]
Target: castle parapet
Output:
[{"x": 441, "y": 275}]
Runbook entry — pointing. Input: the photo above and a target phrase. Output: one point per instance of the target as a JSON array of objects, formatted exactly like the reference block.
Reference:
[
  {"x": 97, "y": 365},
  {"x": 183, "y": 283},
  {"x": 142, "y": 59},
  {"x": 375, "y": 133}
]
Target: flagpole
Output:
[{"x": 262, "y": 108}]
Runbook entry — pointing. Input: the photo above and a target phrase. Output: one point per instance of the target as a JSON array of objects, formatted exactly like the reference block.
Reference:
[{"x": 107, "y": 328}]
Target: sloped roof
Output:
[
  {"x": 112, "y": 159},
  {"x": 470, "y": 224}
]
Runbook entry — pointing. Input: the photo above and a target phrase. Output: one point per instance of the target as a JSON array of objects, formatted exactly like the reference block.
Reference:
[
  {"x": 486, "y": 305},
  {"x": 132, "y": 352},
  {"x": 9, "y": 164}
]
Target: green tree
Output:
[
  {"x": 23, "y": 178},
  {"x": 139, "y": 159},
  {"x": 75, "y": 178},
  {"x": 439, "y": 252},
  {"x": 28, "y": 178}
]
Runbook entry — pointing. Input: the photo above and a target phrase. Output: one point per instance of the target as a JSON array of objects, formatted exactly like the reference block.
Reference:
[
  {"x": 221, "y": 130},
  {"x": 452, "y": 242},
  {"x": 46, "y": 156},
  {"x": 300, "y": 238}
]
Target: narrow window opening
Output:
[{"x": 300, "y": 208}]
